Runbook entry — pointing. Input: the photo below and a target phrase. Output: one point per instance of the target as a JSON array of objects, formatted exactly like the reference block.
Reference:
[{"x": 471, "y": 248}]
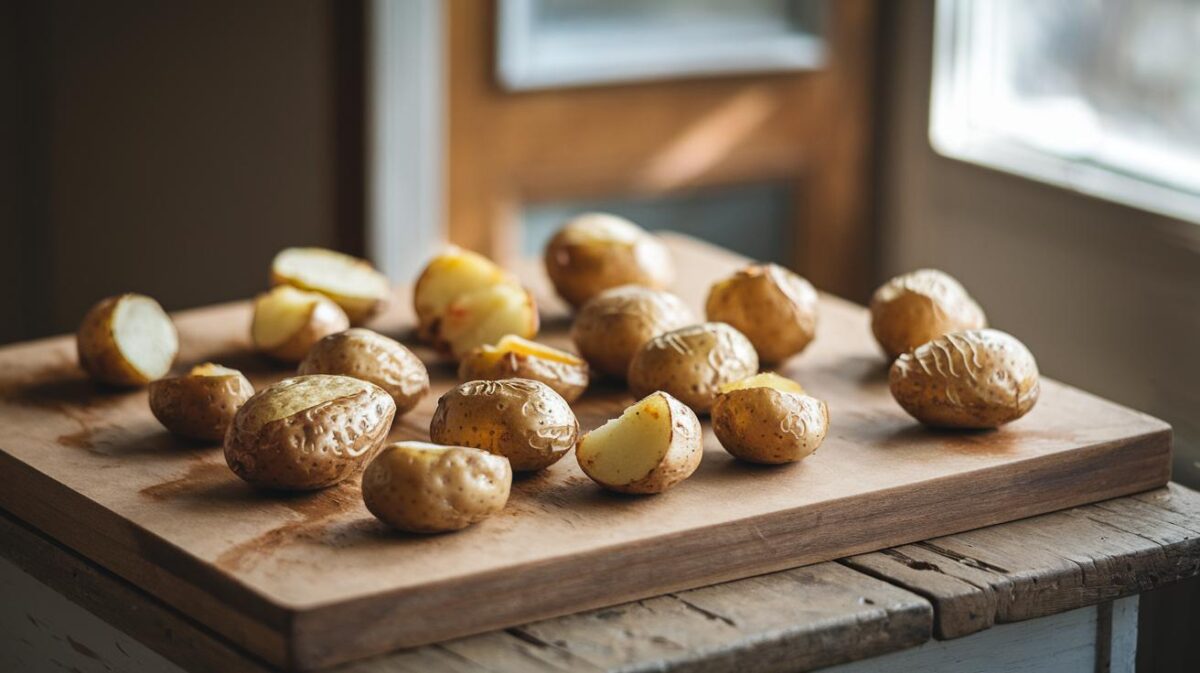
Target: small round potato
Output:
[
  {"x": 692, "y": 363},
  {"x": 127, "y": 340},
  {"x": 773, "y": 307},
  {"x": 612, "y": 326},
  {"x": 353, "y": 283},
  {"x": 653, "y": 445},
  {"x": 370, "y": 356},
  {"x": 287, "y": 322},
  {"x": 920, "y": 306},
  {"x": 516, "y": 358},
  {"x": 768, "y": 419},
  {"x": 427, "y": 488},
  {"x": 596, "y": 251},
  {"x": 974, "y": 379},
  {"x": 201, "y": 404},
  {"x": 522, "y": 420},
  {"x": 308, "y": 432}
]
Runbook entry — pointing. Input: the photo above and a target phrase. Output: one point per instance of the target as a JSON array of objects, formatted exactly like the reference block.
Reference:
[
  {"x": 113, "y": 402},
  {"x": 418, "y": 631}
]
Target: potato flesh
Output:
[
  {"x": 294, "y": 395},
  {"x": 332, "y": 272},
  {"x": 765, "y": 380},
  {"x": 453, "y": 274},
  {"x": 281, "y": 313},
  {"x": 212, "y": 369},
  {"x": 629, "y": 447},
  {"x": 485, "y": 316},
  {"x": 514, "y": 344},
  {"x": 145, "y": 335}
]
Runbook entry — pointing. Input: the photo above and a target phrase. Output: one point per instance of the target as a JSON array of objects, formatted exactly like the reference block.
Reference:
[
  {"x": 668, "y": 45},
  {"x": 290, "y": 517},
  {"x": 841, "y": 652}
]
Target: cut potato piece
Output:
[
  {"x": 351, "y": 282},
  {"x": 768, "y": 419},
  {"x": 485, "y": 316},
  {"x": 652, "y": 446},
  {"x": 447, "y": 277},
  {"x": 127, "y": 340},
  {"x": 515, "y": 357},
  {"x": 287, "y": 322},
  {"x": 765, "y": 380}
]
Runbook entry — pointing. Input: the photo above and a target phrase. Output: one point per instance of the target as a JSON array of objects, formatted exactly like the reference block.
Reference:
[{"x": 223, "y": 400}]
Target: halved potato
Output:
[
  {"x": 127, "y": 340},
  {"x": 514, "y": 357},
  {"x": 448, "y": 276},
  {"x": 352, "y": 283},
  {"x": 428, "y": 488},
  {"x": 287, "y": 322},
  {"x": 653, "y": 445},
  {"x": 485, "y": 316},
  {"x": 370, "y": 356},
  {"x": 613, "y": 325},
  {"x": 692, "y": 363},
  {"x": 597, "y": 251},
  {"x": 201, "y": 404},
  {"x": 768, "y": 419}
]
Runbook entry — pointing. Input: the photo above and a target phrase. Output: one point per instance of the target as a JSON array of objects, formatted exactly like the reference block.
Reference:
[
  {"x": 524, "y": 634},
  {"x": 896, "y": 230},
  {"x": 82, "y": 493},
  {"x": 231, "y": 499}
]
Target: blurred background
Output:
[{"x": 1047, "y": 153}]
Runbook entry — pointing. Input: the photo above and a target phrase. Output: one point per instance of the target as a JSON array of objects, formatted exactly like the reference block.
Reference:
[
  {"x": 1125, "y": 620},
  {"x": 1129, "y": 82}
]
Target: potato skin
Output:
[
  {"x": 974, "y": 379},
  {"x": 773, "y": 307},
  {"x": 611, "y": 327},
  {"x": 99, "y": 355},
  {"x": 199, "y": 407},
  {"x": 433, "y": 493},
  {"x": 681, "y": 460},
  {"x": 566, "y": 379},
  {"x": 363, "y": 354},
  {"x": 692, "y": 363},
  {"x": 581, "y": 269},
  {"x": 920, "y": 306},
  {"x": 313, "y": 448},
  {"x": 522, "y": 420},
  {"x": 325, "y": 318},
  {"x": 764, "y": 425}
]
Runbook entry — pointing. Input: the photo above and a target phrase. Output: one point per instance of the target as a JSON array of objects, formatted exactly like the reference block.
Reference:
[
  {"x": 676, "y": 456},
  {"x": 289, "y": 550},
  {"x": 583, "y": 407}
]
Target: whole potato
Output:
[
  {"x": 974, "y": 379},
  {"x": 370, "y": 356},
  {"x": 920, "y": 306},
  {"x": 773, "y": 307},
  {"x": 126, "y": 340},
  {"x": 596, "y": 251},
  {"x": 522, "y": 420},
  {"x": 426, "y": 488},
  {"x": 516, "y": 358},
  {"x": 201, "y": 404},
  {"x": 768, "y": 419},
  {"x": 287, "y": 322},
  {"x": 652, "y": 446},
  {"x": 692, "y": 363},
  {"x": 308, "y": 432},
  {"x": 612, "y": 326}
]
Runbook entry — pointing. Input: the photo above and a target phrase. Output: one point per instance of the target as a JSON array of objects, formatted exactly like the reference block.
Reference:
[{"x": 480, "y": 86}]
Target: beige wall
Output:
[{"x": 1107, "y": 297}]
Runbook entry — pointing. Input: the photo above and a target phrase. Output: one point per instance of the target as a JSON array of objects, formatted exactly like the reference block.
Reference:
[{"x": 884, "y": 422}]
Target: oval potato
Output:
[
  {"x": 287, "y": 322},
  {"x": 768, "y": 419},
  {"x": 370, "y": 356},
  {"x": 597, "y": 251},
  {"x": 308, "y": 432},
  {"x": 692, "y": 363},
  {"x": 773, "y": 307},
  {"x": 974, "y": 379},
  {"x": 920, "y": 306},
  {"x": 127, "y": 340},
  {"x": 655, "y": 444},
  {"x": 516, "y": 358},
  {"x": 201, "y": 404},
  {"x": 612, "y": 326}
]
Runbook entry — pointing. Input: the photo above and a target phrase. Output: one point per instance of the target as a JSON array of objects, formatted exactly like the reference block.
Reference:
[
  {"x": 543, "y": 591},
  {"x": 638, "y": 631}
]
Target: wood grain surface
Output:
[{"x": 311, "y": 580}]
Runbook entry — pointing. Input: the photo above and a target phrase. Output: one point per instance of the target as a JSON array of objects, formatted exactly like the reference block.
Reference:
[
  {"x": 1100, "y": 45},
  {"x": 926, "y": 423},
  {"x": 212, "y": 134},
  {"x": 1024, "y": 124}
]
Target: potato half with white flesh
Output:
[
  {"x": 516, "y": 358},
  {"x": 370, "y": 356},
  {"x": 201, "y": 404},
  {"x": 768, "y": 419},
  {"x": 522, "y": 420},
  {"x": 597, "y": 251},
  {"x": 773, "y": 307},
  {"x": 420, "y": 487},
  {"x": 485, "y": 316},
  {"x": 447, "y": 277},
  {"x": 308, "y": 432},
  {"x": 287, "y": 322},
  {"x": 920, "y": 306},
  {"x": 127, "y": 340},
  {"x": 352, "y": 283},
  {"x": 612, "y": 326},
  {"x": 653, "y": 445},
  {"x": 692, "y": 363}
]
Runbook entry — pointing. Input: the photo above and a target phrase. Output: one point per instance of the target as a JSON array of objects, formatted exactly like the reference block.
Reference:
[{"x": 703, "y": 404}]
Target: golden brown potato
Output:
[
  {"x": 287, "y": 322},
  {"x": 516, "y": 358},
  {"x": 448, "y": 276},
  {"x": 974, "y": 379},
  {"x": 596, "y": 251},
  {"x": 653, "y": 445},
  {"x": 692, "y": 363},
  {"x": 352, "y": 283},
  {"x": 370, "y": 356},
  {"x": 201, "y": 404},
  {"x": 768, "y": 419},
  {"x": 485, "y": 316},
  {"x": 612, "y": 326},
  {"x": 920, "y": 306},
  {"x": 308, "y": 432},
  {"x": 126, "y": 340},
  {"x": 427, "y": 488},
  {"x": 773, "y": 307},
  {"x": 522, "y": 420}
]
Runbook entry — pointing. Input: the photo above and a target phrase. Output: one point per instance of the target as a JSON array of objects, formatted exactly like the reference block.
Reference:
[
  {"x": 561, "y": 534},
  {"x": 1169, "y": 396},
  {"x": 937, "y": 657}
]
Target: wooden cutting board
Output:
[{"x": 306, "y": 581}]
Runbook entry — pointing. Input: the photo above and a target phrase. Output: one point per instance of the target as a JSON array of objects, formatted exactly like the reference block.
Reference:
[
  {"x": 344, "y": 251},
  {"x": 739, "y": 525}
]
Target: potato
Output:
[
  {"x": 692, "y": 363},
  {"x": 768, "y": 419},
  {"x": 126, "y": 340},
  {"x": 201, "y": 404},
  {"x": 612, "y": 326},
  {"x": 287, "y": 322},
  {"x": 920, "y": 306},
  {"x": 522, "y": 420},
  {"x": 974, "y": 379},
  {"x": 370, "y": 356},
  {"x": 653, "y": 445},
  {"x": 448, "y": 276},
  {"x": 485, "y": 316},
  {"x": 308, "y": 432},
  {"x": 773, "y": 307},
  {"x": 426, "y": 488},
  {"x": 596, "y": 251},
  {"x": 350, "y": 282},
  {"x": 514, "y": 357}
]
